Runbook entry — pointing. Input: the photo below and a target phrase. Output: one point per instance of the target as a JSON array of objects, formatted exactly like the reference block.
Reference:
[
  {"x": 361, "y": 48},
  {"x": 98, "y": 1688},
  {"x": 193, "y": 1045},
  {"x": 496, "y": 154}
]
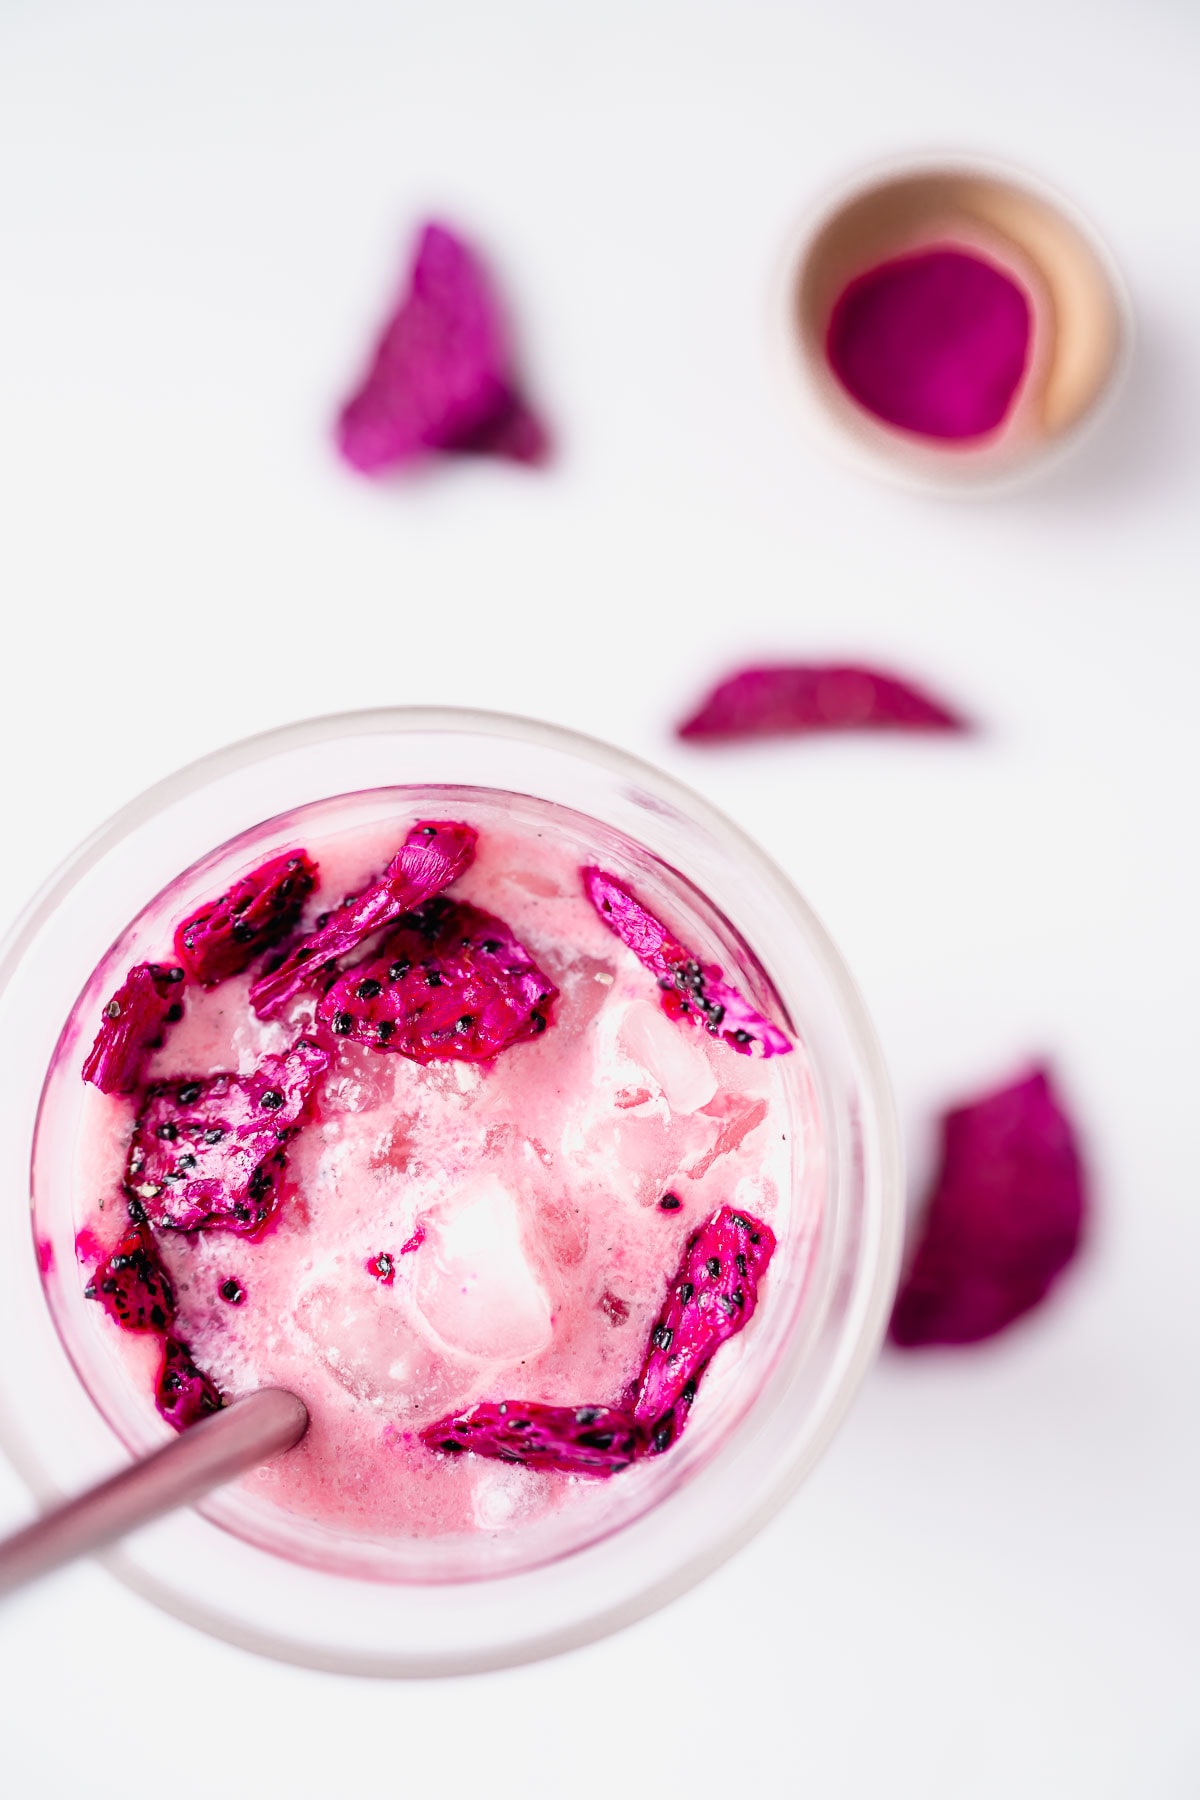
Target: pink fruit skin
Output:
[
  {"x": 793, "y": 699},
  {"x": 712, "y": 1298},
  {"x": 134, "y": 1023},
  {"x": 1005, "y": 1218},
  {"x": 435, "y": 853},
  {"x": 574, "y": 1440},
  {"x": 224, "y": 936},
  {"x": 454, "y": 985},
  {"x": 209, "y": 1152},
  {"x": 440, "y": 377},
  {"x": 688, "y": 989},
  {"x": 132, "y": 1286},
  {"x": 184, "y": 1394}
]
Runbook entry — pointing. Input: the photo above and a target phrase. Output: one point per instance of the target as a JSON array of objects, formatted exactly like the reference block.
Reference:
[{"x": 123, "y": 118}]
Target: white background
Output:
[{"x": 990, "y": 1588}]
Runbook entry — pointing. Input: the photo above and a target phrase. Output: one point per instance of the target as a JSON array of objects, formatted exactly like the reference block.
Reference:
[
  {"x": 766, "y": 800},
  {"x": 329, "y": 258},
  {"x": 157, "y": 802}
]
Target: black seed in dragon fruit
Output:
[
  {"x": 132, "y": 1286},
  {"x": 209, "y": 1151},
  {"x": 574, "y": 1440},
  {"x": 435, "y": 853},
  {"x": 451, "y": 983},
  {"x": 688, "y": 989},
  {"x": 133, "y": 1024},
  {"x": 224, "y": 936},
  {"x": 711, "y": 1299},
  {"x": 184, "y": 1394}
]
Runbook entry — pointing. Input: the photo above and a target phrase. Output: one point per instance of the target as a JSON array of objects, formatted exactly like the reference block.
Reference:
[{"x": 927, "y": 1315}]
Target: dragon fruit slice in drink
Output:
[
  {"x": 434, "y": 853},
  {"x": 210, "y": 1151},
  {"x": 689, "y": 989},
  {"x": 132, "y": 1286},
  {"x": 712, "y": 1298},
  {"x": 224, "y": 936},
  {"x": 134, "y": 1023},
  {"x": 574, "y": 1440},
  {"x": 450, "y": 984},
  {"x": 184, "y": 1394}
]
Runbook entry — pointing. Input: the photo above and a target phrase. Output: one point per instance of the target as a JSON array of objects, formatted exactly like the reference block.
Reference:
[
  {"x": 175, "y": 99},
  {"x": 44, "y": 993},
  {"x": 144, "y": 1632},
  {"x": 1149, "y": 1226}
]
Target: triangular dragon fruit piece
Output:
[
  {"x": 575, "y": 1440},
  {"x": 184, "y": 1394},
  {"x": 209, "y": 1151},
  {"x": 440, "y": 377},
  {"x": 132, "y": 1286},
  {"x": 434, "y": 853},
  {"x": 134, "y": 1023},
  {"x": 451, "y": 983},
  {"x": 795, "y": 698},
  {"x": 1005, "y": 1218},
  {"x": 690, "y": 989},
  {"x": 224, "y": 936},
  {"x": 712, "y": 1297}
]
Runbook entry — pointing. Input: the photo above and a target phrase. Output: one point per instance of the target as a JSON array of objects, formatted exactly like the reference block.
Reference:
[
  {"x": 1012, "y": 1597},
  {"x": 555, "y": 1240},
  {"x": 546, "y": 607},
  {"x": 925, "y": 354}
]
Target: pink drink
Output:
[{"x": 452, "y": 1232}]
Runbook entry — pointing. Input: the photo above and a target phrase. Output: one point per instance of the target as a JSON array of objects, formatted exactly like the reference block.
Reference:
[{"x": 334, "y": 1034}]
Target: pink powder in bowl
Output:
[{"x": 936, "y": 342}]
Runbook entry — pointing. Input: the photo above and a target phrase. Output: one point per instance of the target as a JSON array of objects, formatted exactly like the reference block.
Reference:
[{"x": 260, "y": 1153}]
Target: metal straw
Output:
[{"x": 213, "y": 1451}]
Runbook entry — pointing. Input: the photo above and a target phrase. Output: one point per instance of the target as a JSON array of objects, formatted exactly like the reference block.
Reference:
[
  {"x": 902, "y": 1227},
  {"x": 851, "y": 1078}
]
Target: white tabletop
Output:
[{"x": 990, "y": 1587}]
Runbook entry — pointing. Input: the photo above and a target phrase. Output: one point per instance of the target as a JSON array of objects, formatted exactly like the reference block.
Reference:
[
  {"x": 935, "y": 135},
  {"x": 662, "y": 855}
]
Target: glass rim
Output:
[{"x": 873, "y": 1304}]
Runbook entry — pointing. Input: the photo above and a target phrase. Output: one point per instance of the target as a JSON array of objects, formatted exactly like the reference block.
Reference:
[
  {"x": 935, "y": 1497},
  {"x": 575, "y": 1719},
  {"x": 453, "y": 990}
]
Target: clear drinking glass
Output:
[{"x": 240, "y": 1570}]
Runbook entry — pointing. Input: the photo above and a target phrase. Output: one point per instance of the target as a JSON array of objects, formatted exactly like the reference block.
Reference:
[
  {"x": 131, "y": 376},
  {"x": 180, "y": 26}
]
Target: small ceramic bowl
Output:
[{"x": 1081, "y": 319}]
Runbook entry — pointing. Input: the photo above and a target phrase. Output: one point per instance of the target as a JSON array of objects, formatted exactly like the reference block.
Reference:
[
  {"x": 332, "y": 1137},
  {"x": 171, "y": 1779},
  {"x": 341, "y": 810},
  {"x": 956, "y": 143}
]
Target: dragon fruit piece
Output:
[
  {"x": 574, "y": 1440},
  {"x": 789, "y": 699},
  {"x": 134, "y": 1023},
  {"x": 435, "y": 853},
  {"x": 712, "y": 1297},
  {"x": 132, "y": 1286},
  {"x": 450, "y": 984},
  {"x": 209, "y": 1151},
  {"x": 440, "y": 377},
  {"x": 1005, "y": 1218},
  {"x": 184, "y": 1394},
  {"x": 689, "y": 989},
  {"x": 224, "y": 936}
]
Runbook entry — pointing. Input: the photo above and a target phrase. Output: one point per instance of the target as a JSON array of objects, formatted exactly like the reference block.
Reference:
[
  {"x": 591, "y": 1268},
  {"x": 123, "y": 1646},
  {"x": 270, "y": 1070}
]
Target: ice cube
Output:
[
  {"x": 671, "y": 1054},
  {"x": 473, "y": 1282},
  {"x": 362, "y": 1334}
]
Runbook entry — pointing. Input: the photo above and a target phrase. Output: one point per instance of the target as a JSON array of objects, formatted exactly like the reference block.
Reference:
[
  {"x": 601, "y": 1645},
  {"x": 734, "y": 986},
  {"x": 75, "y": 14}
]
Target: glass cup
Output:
[{"x": 253, "y": 1575}]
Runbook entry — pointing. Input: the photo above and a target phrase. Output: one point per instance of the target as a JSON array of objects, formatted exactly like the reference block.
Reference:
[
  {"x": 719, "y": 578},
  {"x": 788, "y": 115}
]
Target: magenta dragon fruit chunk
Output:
[
  {"x": 132, "y": 1286},
  {"x": 791, "y": 699},
  {"x": 712, "y": 1297},
  {"x": 441, "y": 377},
  {"x": 450, "y": 984},
  {"x": 435, "y": 853},
  {"x": 688, "y": 988},
  {"x": 574, "y": 1440},
  {"x": 209, "y": 1151},
  {"x": 224, "y": 936},
  {"x": 184, "y": 1394},
  {"x": 1005, "y": 1218},
  {"x": 134, "y": 1023}
]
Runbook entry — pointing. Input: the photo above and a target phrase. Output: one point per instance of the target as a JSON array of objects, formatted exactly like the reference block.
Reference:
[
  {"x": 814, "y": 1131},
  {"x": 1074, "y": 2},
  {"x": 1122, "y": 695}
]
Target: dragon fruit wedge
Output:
[
  {"x": 132, "y": 1286},
  {"x": 712, "y": 1297},
  {"x": 210, "y": 1151},
  {"x": 575, "y": 1440},
  {"x": 441, "y": 376},
  {"x": 435, "y": 853},
  {"x": 689, "y": 989},
  {"x": 226, "y": 935},
  {"x": 184, "y": 1393},
  {"x": 133, "y": 1024},
  {"x": 450, "y": 984}
]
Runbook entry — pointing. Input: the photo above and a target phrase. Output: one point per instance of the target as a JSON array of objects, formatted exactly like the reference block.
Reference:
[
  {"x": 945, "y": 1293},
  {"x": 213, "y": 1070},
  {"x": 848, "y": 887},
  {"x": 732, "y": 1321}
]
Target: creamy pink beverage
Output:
[{"x": 445, "y": 1229}]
